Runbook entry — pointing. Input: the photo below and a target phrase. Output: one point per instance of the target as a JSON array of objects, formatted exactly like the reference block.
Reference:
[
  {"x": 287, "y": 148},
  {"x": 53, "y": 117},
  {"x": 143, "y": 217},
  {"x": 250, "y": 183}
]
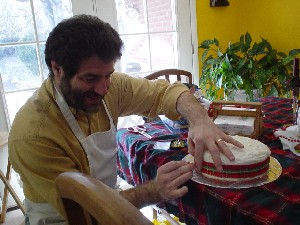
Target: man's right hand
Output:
[{"x": 171, "y": 178}]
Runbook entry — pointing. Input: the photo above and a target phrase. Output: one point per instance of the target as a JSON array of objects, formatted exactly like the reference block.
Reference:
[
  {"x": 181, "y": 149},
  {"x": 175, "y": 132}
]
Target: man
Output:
[{"x": 69, "y": 124}]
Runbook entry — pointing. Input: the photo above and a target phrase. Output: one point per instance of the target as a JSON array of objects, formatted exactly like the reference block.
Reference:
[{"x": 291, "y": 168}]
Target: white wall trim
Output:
[
  {"x": 195, "y": 67},
  {"x": 4, "y": 122}
]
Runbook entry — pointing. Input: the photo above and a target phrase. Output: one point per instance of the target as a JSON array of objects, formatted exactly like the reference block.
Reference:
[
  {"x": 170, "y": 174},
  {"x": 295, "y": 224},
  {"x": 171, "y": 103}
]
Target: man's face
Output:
[{"x": 88, "y": 86}]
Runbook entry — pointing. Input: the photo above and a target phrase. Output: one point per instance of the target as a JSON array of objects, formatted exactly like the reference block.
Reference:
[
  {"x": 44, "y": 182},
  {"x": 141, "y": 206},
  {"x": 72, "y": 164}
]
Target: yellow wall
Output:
[{"x": 278, "y": 21}]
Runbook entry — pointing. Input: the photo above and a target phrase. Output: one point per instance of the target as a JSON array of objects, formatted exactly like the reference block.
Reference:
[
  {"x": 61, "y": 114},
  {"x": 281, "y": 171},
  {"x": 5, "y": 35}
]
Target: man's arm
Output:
[
  {"x": 169, "y": 184},
  {"x": 203, "y": 133},
  {"x": 151, "y": 97}
]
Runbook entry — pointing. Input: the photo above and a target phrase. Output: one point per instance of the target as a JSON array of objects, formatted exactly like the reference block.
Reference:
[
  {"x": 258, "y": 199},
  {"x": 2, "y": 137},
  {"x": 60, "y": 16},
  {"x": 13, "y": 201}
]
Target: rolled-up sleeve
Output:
[
  {"x": 145, "y": 97},
  {"x": 169, "y": 100}
]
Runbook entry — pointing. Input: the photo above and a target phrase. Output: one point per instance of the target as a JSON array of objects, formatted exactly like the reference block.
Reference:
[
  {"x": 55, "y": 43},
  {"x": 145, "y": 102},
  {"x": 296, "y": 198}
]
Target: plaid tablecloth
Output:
[{"x": 275, "y": 203}]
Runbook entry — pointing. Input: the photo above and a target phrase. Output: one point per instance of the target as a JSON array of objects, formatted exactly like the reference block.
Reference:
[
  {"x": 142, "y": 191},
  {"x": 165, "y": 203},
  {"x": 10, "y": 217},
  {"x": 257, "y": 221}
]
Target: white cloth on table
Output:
[{"x": 289, "y": 138}]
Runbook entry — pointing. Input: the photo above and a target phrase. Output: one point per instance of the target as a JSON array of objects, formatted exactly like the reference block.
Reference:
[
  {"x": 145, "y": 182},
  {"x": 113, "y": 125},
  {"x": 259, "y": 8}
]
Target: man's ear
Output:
[{"x": 57, "y": 70}]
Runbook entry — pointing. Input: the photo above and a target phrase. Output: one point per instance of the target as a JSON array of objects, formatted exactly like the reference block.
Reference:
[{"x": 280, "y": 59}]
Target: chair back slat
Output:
[
  {"x": 166, "y": 73},
  {"x": 86, "y": 199}
]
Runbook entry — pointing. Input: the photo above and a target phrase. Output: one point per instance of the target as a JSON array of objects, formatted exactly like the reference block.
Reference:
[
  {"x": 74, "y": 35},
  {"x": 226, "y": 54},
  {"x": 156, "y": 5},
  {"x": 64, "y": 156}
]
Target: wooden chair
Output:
[
  {"x": 88, "y": 201},
  {"x": 6, "y": 180},
  {"x": 166, "y": 73}
]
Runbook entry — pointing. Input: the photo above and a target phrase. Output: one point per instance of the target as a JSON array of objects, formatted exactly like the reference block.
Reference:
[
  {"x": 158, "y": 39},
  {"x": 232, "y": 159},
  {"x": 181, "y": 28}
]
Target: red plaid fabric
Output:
[{"x": 277, "y": 202}]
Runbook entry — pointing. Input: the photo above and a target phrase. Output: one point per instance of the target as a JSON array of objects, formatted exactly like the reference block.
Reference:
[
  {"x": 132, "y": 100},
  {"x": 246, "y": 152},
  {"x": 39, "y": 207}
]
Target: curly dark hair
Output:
[{"x": 79, "y": 38}]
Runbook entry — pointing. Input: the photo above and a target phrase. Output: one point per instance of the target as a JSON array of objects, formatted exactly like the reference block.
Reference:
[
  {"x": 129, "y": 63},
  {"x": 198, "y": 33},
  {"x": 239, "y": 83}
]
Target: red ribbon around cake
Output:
[{"x": 237, "y": 171}]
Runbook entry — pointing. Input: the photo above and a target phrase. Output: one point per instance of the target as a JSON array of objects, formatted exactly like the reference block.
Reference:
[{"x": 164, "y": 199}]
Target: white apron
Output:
[{"x": 101, "y": 151}]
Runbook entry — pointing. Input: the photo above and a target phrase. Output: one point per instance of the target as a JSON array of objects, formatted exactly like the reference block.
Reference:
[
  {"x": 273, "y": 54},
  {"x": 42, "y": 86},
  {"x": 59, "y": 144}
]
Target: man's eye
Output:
[{"x": 90, "y": 79}]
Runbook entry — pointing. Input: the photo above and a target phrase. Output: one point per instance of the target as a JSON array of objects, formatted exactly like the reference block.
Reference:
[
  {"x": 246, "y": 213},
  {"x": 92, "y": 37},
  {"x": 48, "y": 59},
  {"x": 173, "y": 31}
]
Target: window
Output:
[
  {"x": 149, "y": 31},
  {"x": 154, "y": 32},
  {"x": 24, "y": 26}
]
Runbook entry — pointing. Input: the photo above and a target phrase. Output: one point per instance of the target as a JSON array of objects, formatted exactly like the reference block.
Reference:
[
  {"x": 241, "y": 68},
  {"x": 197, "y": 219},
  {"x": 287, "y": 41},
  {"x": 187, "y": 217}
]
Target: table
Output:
[
  {"x": 6, "y": 180},
  {"x": 277, "y": 202}
]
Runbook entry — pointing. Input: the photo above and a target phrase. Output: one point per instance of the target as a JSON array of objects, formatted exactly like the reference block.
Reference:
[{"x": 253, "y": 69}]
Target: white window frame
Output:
[
  {"x": 105, "y": 9},
  {"x": 187, "y": 28}
]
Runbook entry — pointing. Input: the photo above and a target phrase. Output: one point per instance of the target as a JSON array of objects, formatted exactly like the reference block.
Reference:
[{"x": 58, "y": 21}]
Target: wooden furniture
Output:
[
  {"x": 166, "y": 73},
  {"x": 169, "y": 72},
  {"x": 85, "y": 198},
  {"x": 6, "y": 181},
  {"x": 256, "y": 113}
]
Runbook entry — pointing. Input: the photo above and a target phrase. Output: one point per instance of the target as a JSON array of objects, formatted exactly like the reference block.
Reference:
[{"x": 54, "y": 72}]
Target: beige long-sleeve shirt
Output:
[{"x": 42, "y": 145}]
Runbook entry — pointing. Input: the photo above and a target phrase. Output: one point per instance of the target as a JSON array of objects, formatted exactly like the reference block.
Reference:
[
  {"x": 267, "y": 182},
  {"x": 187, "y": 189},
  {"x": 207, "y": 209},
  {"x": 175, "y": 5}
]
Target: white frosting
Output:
[{"x": 254, "y": 151}]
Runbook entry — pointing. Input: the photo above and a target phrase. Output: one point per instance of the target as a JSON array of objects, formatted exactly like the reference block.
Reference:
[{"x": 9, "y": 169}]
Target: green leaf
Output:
[
  {"x": 248, "y": 38},
  {"x": 204, "y": 54},
  {"x": 294, "y": 52},
  {"x": 244, "y": 65},
  {"x": 219, "y": 53}
]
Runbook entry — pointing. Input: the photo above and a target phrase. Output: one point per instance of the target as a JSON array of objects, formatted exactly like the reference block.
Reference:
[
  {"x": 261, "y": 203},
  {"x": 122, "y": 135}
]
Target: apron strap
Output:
[{"x": 64, "y": 108}]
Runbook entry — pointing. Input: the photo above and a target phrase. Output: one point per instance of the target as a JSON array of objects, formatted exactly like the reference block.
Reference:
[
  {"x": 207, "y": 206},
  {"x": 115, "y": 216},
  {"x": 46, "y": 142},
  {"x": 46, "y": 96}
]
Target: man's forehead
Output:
[{"x": 94, "y": 65}]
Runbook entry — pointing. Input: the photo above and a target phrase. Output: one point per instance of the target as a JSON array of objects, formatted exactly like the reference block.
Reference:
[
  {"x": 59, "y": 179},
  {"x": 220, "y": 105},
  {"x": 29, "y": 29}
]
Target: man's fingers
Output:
[
  {"x": 222, "y": 144},
  {"x": 177, "y": 173},
  {"x": 231, "y": 140},
  {"x": 215, "y": 154},
  {"x": 199, "y": 150},
  {"x": 171, "y": 177},
  {"x": 191, "y": 146},
  {"x": 174, "y": 188},
  {"x": 172, "y": 166},
  {"x": 179, "y": 192},
  {"x": 224, "y": 148}
]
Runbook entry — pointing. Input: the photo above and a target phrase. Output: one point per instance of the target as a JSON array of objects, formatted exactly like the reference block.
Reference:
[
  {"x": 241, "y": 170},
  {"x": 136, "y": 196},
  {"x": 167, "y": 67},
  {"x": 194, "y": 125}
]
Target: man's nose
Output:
[{"x": 101, "y": 87}]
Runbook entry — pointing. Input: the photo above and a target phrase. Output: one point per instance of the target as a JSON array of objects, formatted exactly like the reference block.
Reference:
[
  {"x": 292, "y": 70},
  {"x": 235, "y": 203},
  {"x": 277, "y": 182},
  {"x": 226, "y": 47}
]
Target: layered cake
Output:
[{"x": 251, "y": 162}]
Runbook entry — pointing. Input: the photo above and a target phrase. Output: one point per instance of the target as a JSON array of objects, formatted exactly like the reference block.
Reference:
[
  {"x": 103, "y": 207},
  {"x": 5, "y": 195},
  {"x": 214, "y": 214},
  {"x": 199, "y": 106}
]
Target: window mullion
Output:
[{"x": 40, "y": 64}]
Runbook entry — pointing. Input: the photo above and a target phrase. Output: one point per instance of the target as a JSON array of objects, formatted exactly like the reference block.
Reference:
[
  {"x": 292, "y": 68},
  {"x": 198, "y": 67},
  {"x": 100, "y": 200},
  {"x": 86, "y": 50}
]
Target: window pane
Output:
[
  {"x": 19, "y": 67},
  {"x": 15, "y": 101},
  {"x": 163, "y": 50},
  {"x": 48, "y": 13},
  {"x": 142, "y": 54},
  {"x": 161, "y": 15},
  {"x": 131, "y": 16},
  {"x": 15, "y": 21},
  {"x": 136, "y": 54}
]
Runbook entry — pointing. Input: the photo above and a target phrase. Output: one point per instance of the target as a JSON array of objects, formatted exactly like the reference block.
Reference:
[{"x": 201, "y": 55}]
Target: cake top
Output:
[{"x": 254, "y": 151}]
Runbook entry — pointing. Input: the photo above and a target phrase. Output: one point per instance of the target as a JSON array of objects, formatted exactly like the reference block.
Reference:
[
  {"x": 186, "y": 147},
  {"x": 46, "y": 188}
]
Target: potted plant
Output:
[{"x": 244, "y": 66}]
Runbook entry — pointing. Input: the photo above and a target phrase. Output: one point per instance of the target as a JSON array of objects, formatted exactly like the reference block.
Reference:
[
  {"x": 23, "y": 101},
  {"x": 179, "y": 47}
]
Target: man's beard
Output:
[{"x": 75, "y": 97}]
